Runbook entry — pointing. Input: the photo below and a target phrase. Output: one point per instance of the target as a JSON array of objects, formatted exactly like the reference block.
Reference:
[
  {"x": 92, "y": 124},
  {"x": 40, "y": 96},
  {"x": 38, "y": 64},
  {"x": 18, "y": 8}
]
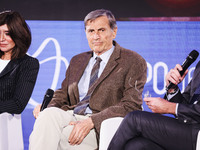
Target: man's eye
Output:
[{"x": 90, "y": 31}]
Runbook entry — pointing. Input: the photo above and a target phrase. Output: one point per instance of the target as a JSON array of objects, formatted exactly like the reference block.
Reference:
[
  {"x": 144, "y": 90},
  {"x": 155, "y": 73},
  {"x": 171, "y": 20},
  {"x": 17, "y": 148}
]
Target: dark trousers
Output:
[{"x": 149, "y": 131}]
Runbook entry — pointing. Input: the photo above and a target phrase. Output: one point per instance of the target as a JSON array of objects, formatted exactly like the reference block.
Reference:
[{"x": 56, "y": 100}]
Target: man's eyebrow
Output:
[
  {"x": 101, "y": 28},
  {"x": 90, "y": 29}
]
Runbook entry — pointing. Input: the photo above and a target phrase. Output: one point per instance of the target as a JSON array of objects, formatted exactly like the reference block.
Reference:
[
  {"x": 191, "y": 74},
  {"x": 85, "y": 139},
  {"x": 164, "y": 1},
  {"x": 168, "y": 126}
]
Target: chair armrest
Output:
[{"x": 107, "y": 131}]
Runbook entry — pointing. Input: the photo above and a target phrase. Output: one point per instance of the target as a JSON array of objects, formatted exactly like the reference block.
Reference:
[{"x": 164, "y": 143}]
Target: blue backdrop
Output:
[{"x": 162, "y": 43}]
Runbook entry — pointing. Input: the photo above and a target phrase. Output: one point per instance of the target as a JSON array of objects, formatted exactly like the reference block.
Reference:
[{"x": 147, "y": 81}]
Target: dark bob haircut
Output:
[{"x": 19, "y": 32}]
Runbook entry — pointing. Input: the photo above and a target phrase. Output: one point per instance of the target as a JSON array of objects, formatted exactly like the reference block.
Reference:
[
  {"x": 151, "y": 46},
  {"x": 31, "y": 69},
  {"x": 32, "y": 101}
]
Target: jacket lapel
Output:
[
  {"x": 196, "y": 77},
  {"x": 81, "y": 65},
  {"x": 196, "y": 82},
  {"x": 112, "y": 63},
  {"x": 79, "y": 70},
  {"x": 11, "y": 65}
]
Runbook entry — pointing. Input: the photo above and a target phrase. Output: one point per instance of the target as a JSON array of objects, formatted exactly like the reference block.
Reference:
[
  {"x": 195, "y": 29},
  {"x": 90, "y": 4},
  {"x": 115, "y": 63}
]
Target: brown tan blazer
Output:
[{"x": 119, "y": 88}]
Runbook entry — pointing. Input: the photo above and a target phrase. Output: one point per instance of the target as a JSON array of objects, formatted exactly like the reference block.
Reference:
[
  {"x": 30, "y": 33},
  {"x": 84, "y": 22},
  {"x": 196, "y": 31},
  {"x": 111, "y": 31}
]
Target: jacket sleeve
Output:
[
  {"x": 61, "y": 97},
  {"x": 188, "y": 113}
]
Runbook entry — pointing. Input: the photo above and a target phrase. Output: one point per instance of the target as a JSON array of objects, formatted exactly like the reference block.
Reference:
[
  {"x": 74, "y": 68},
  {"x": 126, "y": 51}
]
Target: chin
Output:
[{"x": 96, "y": 50}]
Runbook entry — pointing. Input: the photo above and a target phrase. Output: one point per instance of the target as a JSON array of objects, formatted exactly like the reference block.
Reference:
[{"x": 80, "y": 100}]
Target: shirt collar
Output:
[{"x": 105, "y": 56}]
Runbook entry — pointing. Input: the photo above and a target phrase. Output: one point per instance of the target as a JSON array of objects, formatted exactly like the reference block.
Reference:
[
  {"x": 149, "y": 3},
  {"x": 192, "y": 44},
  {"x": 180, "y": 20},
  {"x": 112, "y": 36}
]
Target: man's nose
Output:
[{"x": 96, "y": 35}]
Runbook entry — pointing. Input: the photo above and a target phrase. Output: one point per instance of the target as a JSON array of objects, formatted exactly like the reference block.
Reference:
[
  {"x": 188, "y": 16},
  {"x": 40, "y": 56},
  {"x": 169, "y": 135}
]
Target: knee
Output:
[
  {"x": 134, "y": 115},
  {"x": 48, "y": 113},
  {"x": 134, "y": 118}
]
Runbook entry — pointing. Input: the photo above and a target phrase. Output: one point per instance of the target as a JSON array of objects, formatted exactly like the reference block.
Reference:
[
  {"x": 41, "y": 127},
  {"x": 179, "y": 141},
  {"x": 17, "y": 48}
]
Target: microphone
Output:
[
  {"x": 47, "y": 98},
  {"x": 188, "y": 61}
]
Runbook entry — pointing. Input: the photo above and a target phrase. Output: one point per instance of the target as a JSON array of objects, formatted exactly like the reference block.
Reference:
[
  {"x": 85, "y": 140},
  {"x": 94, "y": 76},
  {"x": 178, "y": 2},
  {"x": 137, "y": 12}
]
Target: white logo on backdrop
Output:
[{"x": 59, "y": 58}]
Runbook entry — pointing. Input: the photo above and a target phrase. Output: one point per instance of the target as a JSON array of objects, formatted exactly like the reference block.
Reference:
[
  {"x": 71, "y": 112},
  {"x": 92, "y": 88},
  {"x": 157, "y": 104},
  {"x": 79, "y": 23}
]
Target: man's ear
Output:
[{"x": 114, "y": 32}]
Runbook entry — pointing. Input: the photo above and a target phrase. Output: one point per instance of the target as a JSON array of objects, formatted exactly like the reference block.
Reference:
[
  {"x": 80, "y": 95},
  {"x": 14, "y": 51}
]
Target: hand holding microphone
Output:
[
  {"x": 36, "y": 111},
  {"x": 173, "y": 78},
  {"x": 175, "y": 74},
  {"x": 47, "y": 98}
]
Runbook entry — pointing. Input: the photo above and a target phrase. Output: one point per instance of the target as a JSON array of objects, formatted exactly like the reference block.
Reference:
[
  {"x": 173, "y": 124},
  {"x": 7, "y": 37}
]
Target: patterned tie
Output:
[
  {"x": 82, "y": 105},
  {"x": 196, "y": 96}
]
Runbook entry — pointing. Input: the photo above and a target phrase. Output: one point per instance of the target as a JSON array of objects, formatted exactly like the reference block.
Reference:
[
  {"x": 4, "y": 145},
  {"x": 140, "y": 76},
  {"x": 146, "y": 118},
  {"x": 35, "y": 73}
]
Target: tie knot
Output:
[{"x": 98, "y": 59}]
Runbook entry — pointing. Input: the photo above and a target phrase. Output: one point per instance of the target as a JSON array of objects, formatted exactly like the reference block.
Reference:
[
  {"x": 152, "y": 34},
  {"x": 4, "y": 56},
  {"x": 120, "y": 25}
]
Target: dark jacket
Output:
[
  {"x": 189, "y": 113},
  {"x": 17, "y": 81}
]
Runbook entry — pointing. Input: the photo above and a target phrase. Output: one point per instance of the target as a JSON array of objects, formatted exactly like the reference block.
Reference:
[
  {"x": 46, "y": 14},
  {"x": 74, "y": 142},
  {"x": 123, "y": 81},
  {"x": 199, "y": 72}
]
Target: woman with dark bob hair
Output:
[{"x": 18, "y": 71}]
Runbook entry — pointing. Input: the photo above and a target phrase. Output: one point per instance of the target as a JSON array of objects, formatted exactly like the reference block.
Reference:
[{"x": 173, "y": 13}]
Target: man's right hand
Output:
[
  {"x": 36, "y": 111},
  {"x": 174, "y": 76}
]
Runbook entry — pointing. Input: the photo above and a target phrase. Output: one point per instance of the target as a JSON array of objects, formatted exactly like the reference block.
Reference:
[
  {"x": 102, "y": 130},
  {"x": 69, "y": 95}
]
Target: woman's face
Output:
[{"x": 6, "y": 42}]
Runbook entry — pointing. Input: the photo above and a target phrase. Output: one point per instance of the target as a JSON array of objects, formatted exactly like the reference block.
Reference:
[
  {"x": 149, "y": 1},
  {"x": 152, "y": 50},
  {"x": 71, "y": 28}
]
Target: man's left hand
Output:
[
  {"x": 80, "y": 130},
  {"x": 160, "y": 105}
]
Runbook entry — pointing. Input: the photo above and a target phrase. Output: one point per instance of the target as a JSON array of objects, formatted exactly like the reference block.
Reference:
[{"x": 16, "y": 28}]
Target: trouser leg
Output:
[
  {"x": 162, "y": 130},
  {"x": 48, "y": 128},
  {"x": 52, "y": 129},
  {"x": 141, "y": 143}
]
